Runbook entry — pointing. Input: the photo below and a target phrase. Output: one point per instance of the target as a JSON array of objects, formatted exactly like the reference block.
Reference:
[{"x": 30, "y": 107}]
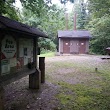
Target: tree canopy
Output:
[
  {"x": 99, "y": 25},
  {"x": 8, "y": 9},
  {"x": 80, "y": 10}
]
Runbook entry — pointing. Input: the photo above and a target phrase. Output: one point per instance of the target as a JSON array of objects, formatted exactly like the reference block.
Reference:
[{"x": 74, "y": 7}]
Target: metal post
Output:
[{"x": 42, "y": 68}]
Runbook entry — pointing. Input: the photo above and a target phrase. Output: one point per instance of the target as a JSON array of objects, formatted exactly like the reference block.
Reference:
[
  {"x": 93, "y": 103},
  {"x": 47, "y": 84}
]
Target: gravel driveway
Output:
[{"x": 58, "y": 68}]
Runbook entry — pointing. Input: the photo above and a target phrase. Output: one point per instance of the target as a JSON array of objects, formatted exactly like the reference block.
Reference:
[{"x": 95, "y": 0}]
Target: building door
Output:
[
  {"x": 66, "y": 46},
  {"x": 82, "y": 47}
]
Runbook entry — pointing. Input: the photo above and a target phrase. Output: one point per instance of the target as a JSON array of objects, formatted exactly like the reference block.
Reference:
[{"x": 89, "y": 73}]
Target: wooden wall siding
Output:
[
  {"x": 66, "y": 46},
  {"x": 82, "y": 46},
  {"x": 87, "y": 46},
  {"x": 60, "y": 45},
  {"x": 59, "y": 48},
  {"x": 75, "y": 46}
]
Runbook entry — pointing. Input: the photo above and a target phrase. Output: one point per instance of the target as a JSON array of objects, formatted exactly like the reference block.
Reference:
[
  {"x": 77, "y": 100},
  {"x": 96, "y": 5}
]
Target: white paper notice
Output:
[
  {"x": 5, "y": 67},
  {"x": 13, "y": 62}
]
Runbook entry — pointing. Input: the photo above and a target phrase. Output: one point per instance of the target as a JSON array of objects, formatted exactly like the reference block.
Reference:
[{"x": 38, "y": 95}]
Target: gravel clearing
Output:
[{"x": 19, "y": 97}]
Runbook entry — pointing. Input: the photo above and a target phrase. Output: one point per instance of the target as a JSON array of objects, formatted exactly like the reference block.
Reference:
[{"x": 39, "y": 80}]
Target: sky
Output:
[{"x": 18, "y": 4}]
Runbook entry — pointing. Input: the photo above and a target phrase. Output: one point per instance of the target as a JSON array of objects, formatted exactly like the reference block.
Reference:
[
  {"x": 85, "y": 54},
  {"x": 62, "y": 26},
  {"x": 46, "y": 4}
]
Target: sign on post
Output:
[
  {"x": 8, "y": 54},
  {"x": 8, "y": 47}
]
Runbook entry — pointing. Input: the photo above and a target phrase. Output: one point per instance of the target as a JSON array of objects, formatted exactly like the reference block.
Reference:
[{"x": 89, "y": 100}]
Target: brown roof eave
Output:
[
  {"x": 10, "y": 25},
  {"x": 75, "y": 37},
  {"x": 23, "y": 32}
]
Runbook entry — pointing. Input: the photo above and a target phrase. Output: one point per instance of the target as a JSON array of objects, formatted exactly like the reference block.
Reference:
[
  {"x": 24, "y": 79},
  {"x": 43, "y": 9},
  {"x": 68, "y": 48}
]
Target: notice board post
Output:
[
  {"x": 35, "y": 78},
  {"x": 42, "y": 68},
  {"x": 1, "y": 98}
]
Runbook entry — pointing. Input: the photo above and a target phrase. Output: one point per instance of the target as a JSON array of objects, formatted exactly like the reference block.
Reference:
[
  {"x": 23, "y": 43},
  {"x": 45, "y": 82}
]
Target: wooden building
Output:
[
  {"x": 108, "y": 50},
  {"x": 18, "y": 50},
  {"x": 73, "y": 42}
]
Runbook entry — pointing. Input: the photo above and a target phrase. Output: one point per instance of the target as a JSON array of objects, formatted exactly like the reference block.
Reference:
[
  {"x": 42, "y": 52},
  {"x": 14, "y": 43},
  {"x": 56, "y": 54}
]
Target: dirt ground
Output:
[{"x": 58, "y": 69}]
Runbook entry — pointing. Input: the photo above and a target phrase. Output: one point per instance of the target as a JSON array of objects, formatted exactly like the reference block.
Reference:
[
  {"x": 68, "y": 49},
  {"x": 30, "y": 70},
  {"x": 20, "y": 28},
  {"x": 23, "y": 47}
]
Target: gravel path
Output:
[{"x": 19, "y": 97}]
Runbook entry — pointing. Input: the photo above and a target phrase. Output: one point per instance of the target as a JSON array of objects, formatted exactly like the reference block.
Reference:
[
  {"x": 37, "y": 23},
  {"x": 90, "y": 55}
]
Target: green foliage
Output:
[
  {"x": 99, "y": 25},
  {"x": 82, "y": 16},
  {"x": 47, "y": 54},
  {"x": 65, "y": 99},
  {"x": 98, "y": 8},
  {"x": 81, "y": 88},
  {"x": 83, "y": 97},
  {"x": 50, "y": 19},
  {"x": 46, "y": 45},
  {"x": 65, "y": 1},
  {"x": 39, "y": 14},
  {"x": 38, "y": 7},
  {"x": 8, "y": 9},
  {"x": 2, "y": 9}
]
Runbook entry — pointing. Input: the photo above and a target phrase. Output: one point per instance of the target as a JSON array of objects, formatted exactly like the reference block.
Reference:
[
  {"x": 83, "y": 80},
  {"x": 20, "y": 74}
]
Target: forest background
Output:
[{"x": 92, "y": 15}]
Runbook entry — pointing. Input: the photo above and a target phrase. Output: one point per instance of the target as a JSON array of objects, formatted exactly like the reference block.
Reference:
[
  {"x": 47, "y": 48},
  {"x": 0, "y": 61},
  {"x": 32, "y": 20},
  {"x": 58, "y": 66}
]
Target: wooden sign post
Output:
[
  {"x": 1, "y": 98},
  {"x": 42, "y": 68},
  {"x": 35, "y": 78}
]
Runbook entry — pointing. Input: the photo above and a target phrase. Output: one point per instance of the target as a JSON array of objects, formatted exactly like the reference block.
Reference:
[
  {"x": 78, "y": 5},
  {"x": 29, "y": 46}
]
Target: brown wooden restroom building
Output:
[{"x": 73, "y": 41}]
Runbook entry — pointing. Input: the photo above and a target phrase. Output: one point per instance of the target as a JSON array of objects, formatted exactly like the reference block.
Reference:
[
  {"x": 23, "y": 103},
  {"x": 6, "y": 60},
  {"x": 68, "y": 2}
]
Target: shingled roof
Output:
[
  {"x": 7, "y": 24},
  {"x": 74, "y": 34}
]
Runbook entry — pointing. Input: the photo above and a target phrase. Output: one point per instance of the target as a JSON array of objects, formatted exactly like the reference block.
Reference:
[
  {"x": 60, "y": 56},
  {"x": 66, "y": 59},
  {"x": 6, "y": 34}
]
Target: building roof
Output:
[
  {"x": 74, "y": 34},
  {"x": 108, "y": 48},
  {"x": 12, "y": 25}
]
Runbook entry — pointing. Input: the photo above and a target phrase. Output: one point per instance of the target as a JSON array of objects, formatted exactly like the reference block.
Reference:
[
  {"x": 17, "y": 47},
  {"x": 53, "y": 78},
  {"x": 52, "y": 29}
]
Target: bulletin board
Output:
[
  {"x": 8, "y": 54},
  {"x": 26, "y": 50},
  {"x": 16, "y": 53}
]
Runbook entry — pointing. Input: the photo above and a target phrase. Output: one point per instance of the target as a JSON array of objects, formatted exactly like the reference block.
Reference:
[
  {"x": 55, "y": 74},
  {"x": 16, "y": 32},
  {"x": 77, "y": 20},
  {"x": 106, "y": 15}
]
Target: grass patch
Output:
[
  {"x": 84, "y": 67},
  {"x": 64, "y": 98},
  {"x": 76, "y": 65},
  {"x": 85, "y": 97},
  {"x": 49, "y": 54},
  {"x": 92, "y": 94}
]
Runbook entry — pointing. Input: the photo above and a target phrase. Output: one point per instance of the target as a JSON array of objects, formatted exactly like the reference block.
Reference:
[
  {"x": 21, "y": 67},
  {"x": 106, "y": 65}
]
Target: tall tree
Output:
[
  {"x": 98, "y": 8},
  {"x": 49, "y": 19},
  {"x": 99, "y": 25},
  {"x": 80, "y": 10}
]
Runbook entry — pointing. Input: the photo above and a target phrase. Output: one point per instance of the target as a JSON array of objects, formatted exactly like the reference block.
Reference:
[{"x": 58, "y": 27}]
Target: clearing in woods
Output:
[{"x": 71, "y": 84}]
